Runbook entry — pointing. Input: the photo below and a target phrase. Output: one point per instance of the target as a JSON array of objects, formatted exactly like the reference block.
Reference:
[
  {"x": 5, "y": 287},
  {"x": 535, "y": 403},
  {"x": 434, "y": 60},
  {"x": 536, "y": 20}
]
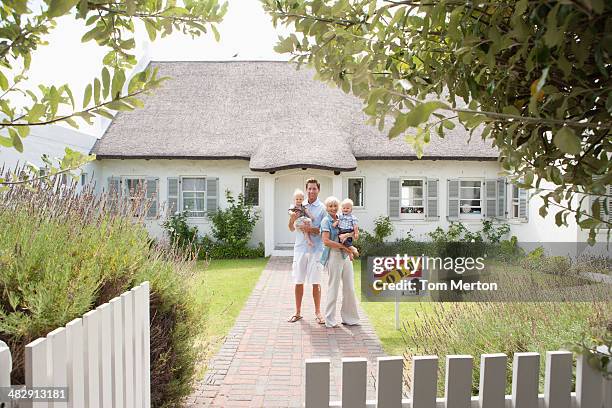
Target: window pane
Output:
[
  {"x": 355, "y": 191},
  {"x": 412, "y": 197},
  {"x": 470, "y": 183},
  {"x": 251, "y": 191},
  {"x": 194, "y": 184},
  {"x": 471, "y": 203}
]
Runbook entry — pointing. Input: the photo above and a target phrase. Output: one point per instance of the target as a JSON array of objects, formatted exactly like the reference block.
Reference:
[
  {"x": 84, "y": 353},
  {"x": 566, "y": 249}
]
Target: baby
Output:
[
  {"x": 304, "y": 216},
  {"x": 347, "y": 225}
]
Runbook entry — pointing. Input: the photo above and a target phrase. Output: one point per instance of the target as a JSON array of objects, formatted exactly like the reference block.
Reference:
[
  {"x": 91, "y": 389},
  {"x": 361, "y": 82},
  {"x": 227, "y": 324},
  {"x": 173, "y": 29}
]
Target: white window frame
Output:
[
  {"x": 182, "y": 198},
  {"x": 414, "y": 216},
  {"x": 363, "y": 184},
  {"x": 465, "y": 216},
  {"x": 515, "y": 202},
  {"x": 258, "y": 189}
]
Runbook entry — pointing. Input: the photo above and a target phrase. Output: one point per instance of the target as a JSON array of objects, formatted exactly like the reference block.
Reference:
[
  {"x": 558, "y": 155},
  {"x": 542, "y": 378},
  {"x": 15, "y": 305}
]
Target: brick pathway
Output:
[{"x": 261, "y": 363}]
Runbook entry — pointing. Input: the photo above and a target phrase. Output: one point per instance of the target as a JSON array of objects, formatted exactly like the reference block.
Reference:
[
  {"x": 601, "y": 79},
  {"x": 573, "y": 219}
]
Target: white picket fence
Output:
[
  {"x": 592, "y": 391},
  {"x": 103, "y": 357}
]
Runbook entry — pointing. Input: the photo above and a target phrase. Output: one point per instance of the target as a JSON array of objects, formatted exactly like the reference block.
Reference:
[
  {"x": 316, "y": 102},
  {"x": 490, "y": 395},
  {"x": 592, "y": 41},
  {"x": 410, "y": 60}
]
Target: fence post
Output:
[
  {"x": 106, "y": 382},
  {"x": 76, "y": 368},
  {"x": 492, "y": 380},
  {"x": 317, "y": 383},
  {"x": 558, "y": 380},
  {"x": 525, "y": 380},
  {"x": 146, "y": 294},
  {"x": 117, "y": 337},
  {"x": 424, "y": 381},
  {"x": 91, "y": 330},
  {"x": 458, "y": 382},
  {"x": 354, "y": 382},
  {"x": 6, "y": 366},
  {"x": 36, "y": 368},
  {"x": 389, "y": 383},
  {"x": 589, "y": 384},
  {"x": 58, "y": 359}
]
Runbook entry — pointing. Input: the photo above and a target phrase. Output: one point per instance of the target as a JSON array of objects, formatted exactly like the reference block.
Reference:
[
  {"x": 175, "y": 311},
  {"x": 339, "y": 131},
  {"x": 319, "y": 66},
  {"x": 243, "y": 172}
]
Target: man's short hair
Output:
[{"x": 313, "y": 181}]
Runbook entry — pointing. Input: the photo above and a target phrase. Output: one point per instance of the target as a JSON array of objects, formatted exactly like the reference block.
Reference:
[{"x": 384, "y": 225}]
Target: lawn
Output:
[
  {"x": 382, "y": 317},
  {"x": 226, "y": 284}
]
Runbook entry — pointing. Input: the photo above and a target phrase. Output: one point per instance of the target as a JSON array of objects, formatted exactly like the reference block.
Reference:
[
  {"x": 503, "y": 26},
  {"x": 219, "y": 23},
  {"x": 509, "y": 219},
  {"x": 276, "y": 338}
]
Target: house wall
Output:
[
  {"x": 375, "y": 174},
  {"x": 229, "y": 172}
]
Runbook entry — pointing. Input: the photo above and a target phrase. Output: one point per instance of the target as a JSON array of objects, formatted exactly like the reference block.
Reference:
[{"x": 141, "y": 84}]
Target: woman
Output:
[{"x": 340, "y": 270}]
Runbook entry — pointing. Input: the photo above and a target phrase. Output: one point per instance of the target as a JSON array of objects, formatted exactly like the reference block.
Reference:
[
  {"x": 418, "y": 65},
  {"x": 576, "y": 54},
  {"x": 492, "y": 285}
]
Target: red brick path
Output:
[{"x": 261, "y": 363}]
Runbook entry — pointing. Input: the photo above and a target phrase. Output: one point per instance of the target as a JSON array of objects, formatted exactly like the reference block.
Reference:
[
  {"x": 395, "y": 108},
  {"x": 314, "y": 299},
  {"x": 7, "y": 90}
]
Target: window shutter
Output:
[
  {"x": 490, "y": 198},
  {"x": 502, "y": 207},
  {"x": 172, "y": 202},
  {"x": 212, "y": 194},
  {"x": 453, "y": 199},
  {"x": 393, "y": 195},
  {"x": 603, "y": 202},
  {"x": 113, "y": 193},
  {"x": 523, "y": 205},
  {"x": 433, "y": 212},
  {"x": 152, "y": 194}
]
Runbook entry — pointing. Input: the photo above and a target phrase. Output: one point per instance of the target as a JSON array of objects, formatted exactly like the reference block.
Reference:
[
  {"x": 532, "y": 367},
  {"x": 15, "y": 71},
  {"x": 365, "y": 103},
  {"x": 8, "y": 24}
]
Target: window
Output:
[
  {"x": 355, "y": 191},
  {"x": 470, "y": 202},
  {"x": 135, "y": 190},
  {"x": 83, "y": 179},
  {"x": 412, "y": 198},
  {"x": 193, "y": 191},
  {"x": 250, "y": 191},
  {"x": 515, "y": 203}
]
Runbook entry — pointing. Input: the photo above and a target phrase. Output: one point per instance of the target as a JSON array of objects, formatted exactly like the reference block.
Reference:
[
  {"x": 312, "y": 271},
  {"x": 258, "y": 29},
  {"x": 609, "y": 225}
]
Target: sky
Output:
[{"x": 246, "y": 34}]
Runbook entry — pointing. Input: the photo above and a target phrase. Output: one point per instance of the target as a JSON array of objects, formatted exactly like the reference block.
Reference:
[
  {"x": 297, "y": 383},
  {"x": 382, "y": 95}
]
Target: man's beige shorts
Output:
[{"x": 306, "y": 268}]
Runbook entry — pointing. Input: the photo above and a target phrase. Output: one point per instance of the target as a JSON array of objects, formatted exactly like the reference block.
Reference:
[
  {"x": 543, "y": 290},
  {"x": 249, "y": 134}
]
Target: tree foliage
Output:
[
  {"x": 534, "y": 77},
  {"x": 111, "y": 24}
]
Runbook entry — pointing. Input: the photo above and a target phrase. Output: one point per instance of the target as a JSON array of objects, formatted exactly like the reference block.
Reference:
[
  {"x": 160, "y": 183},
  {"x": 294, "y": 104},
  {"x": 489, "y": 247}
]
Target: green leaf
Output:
[
  {"x": 60, "y": 7},
  {"x": 87, "y": 96},
  {"x": 284, "y": 46},
  {"x": 215, "y": 32},
  {"x": 117, "y": 83},
  {"x": 17, "y": 144},
  {"x": 567, "y": 141},
  {"x": 151, "y": 29},
  {"x": 421, "y": 112},
  {"x": 105, "y": 82},
  {"x": 3, "y": 82},
  {"x": 35, "y": 112}
]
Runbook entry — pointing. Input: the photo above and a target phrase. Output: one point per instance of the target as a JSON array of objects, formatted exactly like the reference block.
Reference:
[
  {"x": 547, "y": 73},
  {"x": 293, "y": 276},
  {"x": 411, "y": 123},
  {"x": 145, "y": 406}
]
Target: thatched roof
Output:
[{"x": 266, "y": 112}]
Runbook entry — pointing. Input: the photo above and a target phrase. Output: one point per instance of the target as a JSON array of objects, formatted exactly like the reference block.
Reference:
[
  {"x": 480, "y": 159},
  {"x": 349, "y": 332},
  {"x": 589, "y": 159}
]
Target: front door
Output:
[{"x": 285, "y": 186}]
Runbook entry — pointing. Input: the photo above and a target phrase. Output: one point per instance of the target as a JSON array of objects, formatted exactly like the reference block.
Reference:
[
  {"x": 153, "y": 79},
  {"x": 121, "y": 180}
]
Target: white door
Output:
[{"x": 285, "y": 186}]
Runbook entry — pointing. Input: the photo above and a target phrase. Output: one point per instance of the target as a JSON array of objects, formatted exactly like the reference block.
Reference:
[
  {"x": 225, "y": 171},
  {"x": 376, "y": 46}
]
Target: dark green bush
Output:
[
  {"x": 180, "y": 233},
  {"x": 232, "y": 228},
  {"x": 61, "y": 256}
]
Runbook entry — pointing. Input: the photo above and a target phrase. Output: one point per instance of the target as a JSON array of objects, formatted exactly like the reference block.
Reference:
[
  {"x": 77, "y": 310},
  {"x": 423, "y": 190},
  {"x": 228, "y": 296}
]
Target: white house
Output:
[{"x": 263, "y": 128}]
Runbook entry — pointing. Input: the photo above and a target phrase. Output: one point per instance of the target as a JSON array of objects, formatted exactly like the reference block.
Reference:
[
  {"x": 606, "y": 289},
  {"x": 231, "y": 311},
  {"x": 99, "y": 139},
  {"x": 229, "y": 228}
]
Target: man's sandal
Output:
[
  {"x": 294, "y": 318},
  {"x": 320, "y": 320}
]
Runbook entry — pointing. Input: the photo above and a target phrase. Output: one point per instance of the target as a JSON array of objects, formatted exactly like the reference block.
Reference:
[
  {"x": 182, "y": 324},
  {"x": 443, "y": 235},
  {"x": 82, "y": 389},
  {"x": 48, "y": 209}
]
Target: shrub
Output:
[
  {"x": 62, "y": 255},
  {"x": 180, "y": 233},
  {"x": 232, "y": 228},
  {"x": 492, "y": 327},
  {"x": 382, "y": 228},
  {"x": 592, "y": 263}
]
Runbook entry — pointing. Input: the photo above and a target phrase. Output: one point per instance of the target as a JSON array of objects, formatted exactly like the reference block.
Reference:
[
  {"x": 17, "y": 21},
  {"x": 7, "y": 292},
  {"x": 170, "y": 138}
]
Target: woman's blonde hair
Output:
[
  {"x": 331, "y": 199},
  {"x": 298, "y": 192}
]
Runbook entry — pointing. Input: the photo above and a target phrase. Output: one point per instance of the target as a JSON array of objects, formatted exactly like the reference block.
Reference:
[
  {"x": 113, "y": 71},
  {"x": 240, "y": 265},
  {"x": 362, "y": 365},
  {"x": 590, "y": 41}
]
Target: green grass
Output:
[
  {"x": 226, "y": 284},
  {"x": 382, "y": 317}
]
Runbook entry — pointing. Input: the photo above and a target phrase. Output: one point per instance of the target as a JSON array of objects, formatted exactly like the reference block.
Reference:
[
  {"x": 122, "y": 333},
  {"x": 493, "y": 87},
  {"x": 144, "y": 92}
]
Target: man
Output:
[{"x": 306, "y": 266}]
